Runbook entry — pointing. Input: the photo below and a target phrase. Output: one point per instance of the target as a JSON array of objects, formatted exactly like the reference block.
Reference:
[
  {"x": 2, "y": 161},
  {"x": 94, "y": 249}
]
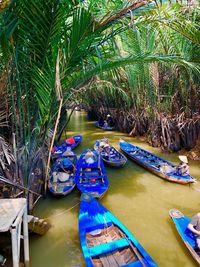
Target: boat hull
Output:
[
  {"x": 106, "y": 240},
  {"x": 172, "y": 177},
  {"x": 104, "y": 128},
  {"x": 55, "y": 193},
  {"x": 91, "y": 178},
  {"x": 59, "y": 150},
  {"x": 117, "y": 159},
  {"x": 181, "y": 221},
  {"x": 62, "y": 188}
]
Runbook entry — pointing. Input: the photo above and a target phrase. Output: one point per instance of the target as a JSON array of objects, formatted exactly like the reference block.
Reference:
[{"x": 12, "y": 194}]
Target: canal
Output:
[{"x": 139, "y": 199}]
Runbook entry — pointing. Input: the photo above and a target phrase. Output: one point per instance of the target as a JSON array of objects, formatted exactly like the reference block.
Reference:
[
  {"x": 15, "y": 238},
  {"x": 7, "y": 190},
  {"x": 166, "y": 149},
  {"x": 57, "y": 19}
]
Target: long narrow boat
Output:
[
  {"x": 72, "y": 142},
  {"x": 181, "y": 222},
  {"x": 91, "y": 176},
  {"x": 62, "y": 177},
  {"x": 105, "y": 241},
  {"x": 113, "y": 158},
  {"x": 154, "y": 163},
  {"x": 101, "y": 126}
]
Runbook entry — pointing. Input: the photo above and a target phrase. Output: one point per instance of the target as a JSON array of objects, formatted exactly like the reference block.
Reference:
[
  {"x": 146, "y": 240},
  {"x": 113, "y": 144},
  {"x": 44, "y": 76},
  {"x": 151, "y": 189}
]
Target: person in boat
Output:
[
  {"x": 90, "y": 157},
  {"x": 65, "y": 165},
  {"x": 105, "y": 125},
  {"x": 109, "y": 121},
  {"x": 68, "y": 152},
  {"x": 166, "y": 168},
  {"x": 106, "y": 151},
  {"x": 183, "y": 168},
  {"x": 103, "y": 142},
  {"x": 194, "y": 227}
]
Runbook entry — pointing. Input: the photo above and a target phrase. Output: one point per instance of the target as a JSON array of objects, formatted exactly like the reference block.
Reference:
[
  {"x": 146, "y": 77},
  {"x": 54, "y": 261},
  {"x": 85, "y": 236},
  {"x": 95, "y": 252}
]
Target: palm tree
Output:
[{"x": 32, "y": 35}]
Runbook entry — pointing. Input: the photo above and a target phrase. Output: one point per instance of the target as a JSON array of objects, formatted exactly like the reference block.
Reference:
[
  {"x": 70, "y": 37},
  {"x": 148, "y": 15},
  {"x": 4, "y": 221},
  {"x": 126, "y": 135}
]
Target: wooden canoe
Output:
[
  {"x": 62, "y": 180},
  {"x": 153, "y": 163},
  {"x": 181, "y": 222},
  {"x": 105, "y": 241},
  {"x": 57, "y": 151},
  {"x": 114, "y": 159},
  {"x": 91, "y": 177}
]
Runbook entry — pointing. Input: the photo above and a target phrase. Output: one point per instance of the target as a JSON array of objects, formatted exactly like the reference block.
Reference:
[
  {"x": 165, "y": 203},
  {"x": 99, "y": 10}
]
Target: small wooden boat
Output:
[
  {"x": 113, "y": 158},
  {"x": 154, "y": 163},
  {"x": 105, "y": 241},
  {"x": 72, "y": 142},
  {"x": 91, "y": 175},
  {"x": 101, "y": 126},
  {"x": 181, "y": 222},
  {"x": 62, "y": 177}
]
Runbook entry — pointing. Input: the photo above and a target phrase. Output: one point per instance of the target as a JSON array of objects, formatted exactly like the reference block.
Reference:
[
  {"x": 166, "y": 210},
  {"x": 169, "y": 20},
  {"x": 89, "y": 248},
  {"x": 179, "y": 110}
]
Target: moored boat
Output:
[
  {"x": 105, "y": 241},
  {"x": 72, "y": 142},
  {"x": 105, "y": 128},
  {"x": 110, "y": 155},
  {"x": 181, "y": 222},
  {"x": 62, "y": 176},
  {"x": 90, "y": 174},
  {"x": 154, "y": 163}
]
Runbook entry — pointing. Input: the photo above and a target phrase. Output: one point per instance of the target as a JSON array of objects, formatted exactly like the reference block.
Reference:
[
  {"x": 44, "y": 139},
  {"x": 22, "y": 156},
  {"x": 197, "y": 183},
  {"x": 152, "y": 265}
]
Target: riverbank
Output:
[{"x": 171, "y": 133}]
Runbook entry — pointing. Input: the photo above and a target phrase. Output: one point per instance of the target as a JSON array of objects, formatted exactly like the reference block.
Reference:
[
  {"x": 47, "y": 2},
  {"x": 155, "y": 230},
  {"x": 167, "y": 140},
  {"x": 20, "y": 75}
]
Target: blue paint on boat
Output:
[
  {"x": 96, "y": 221},
  {"x": 91, "y": 177},
  {"x": 101, "y": 126},
  {"x": 63, "y": 187},
  {"x": 181, "y": 222},
  {"x": 115, "y": 158},
  {"x": 153, "y": 163},
  {"x": 59, "y": 150}
]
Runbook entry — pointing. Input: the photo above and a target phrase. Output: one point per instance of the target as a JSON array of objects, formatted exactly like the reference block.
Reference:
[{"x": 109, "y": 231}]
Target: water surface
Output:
[{"x": 138, "y": 198}]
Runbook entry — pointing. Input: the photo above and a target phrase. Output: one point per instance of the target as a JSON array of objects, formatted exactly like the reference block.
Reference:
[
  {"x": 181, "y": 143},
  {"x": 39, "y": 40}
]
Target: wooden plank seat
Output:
[
  {"x": 156, "y": 163},
  {"x": 108, "y": 247},
  {"x": 141, "y": 155},
  {"x": 133, "y": 264},
  {"x": 149, "y": 159},
  {"x": 97, "y": 184},
  {"x": 98, "y": 227},
  {"x": 91, "y": 177},
  {"x": 90, "y": 171},
  {"x": 134, "y": 152}
]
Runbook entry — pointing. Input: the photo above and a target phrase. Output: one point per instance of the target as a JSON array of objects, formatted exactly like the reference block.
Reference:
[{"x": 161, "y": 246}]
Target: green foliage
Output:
[{"x": 103, "y": 39}]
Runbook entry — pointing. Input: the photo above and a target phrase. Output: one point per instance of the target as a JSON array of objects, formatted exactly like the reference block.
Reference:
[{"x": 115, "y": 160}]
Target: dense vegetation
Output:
[
  {"x": 138, "y": 60},
  {"x": 159, "y": 99}
]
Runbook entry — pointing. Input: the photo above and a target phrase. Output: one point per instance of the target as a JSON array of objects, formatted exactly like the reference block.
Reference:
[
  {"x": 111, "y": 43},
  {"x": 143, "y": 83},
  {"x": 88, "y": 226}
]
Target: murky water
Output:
[{"x": 138, "y": 198}]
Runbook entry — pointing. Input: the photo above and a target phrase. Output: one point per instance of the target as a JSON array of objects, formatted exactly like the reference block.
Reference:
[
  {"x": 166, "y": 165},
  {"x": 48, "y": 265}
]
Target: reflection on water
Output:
[{"x": 138, "y": 198}]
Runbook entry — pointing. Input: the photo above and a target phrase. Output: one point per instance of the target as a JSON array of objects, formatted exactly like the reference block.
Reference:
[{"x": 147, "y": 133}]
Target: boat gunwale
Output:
[{"x": 151, "y": 168}]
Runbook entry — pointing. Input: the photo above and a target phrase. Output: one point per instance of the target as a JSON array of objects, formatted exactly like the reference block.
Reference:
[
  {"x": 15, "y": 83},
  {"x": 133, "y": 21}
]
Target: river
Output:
[{"x": 139, "y": 199}]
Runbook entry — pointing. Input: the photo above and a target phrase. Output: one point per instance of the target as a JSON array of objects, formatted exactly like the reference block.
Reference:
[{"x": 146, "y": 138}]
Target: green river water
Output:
[{"x": 139, "y": 199}]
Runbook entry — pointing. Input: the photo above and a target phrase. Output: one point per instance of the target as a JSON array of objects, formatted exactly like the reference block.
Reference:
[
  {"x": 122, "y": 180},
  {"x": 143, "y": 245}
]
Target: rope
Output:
[{"x": 56, "y": 215}]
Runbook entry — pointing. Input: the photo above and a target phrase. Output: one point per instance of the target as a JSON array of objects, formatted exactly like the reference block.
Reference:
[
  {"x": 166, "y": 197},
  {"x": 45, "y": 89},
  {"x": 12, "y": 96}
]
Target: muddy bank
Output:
[{"x": 171, "y": 133}]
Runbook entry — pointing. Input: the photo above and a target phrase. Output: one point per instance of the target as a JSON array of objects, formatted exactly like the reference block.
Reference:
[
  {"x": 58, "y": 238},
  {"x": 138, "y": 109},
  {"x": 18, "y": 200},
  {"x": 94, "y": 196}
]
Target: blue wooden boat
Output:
[
  {"x": 57, "y": 151},
  {"x": 91, "y": 176},
  {"x": 112, "y": 157},
  {"x": 154, "y": 163},
  {"x": 105, "y": 241},
  {"x": 101, "y": 126},
  {"x": 62, "y": 176},
  {"x": 181, "y": 222}
]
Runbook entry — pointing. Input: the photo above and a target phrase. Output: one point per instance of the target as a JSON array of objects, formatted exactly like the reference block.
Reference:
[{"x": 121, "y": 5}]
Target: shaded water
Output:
[{"x": 138, "y": 198}]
